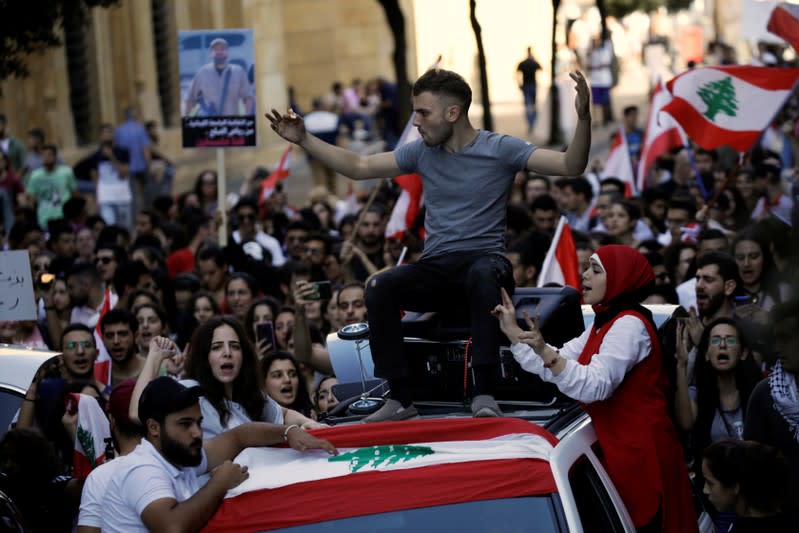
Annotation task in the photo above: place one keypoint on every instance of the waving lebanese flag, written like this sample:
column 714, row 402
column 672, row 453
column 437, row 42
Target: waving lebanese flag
column 784, row 22
column 410, row 200
column 661, row 134
column 92, row 430
column 561, row 265
column 729, row 105
column 102, row 364
column 386, row 467
column 280, row 173
column 619, row 165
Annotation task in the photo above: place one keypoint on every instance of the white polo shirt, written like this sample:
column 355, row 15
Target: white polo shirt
column 94, row 489
column 143, row 477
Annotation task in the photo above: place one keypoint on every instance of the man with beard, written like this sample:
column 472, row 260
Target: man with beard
column 158, row 486
column 716, row 281
column 366, row 253
column 118, row 327
column 467, row 176
column 86, row 294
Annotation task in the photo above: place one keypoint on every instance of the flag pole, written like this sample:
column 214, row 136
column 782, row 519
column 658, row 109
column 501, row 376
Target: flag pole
column 220, row 196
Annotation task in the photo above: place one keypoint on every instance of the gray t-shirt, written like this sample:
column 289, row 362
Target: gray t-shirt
column 466, row 193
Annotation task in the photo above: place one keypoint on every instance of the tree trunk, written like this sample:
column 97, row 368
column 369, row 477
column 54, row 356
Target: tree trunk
column 396, row 22
column 488, row 122
column 555, row 133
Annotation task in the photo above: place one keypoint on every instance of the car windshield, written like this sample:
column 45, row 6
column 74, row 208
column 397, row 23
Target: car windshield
column 503, row 515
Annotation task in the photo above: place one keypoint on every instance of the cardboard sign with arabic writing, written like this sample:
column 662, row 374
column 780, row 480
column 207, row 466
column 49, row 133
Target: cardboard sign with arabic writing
column 16, row 286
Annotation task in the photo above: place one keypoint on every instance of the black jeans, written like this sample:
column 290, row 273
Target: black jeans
column 470, row 280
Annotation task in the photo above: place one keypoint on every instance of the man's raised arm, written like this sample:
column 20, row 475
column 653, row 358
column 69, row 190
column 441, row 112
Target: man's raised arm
column 573, row 161
column 292, row 128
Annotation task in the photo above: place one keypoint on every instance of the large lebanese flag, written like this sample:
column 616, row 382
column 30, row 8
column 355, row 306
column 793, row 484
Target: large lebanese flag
column 661, row 134
column 92, row 430
column 561, row 265
column 729, row 105
column 388, row 467
column 410, row 200
column 280, row 173
column 619, row 165
column 784, row 21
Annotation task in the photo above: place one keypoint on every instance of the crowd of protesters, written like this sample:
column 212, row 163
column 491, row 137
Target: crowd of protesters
column 113, row 248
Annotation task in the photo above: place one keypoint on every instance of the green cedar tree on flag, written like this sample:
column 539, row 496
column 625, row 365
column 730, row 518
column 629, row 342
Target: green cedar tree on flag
column 729, row 105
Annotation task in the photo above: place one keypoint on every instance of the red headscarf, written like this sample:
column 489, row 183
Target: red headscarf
column 626, row 271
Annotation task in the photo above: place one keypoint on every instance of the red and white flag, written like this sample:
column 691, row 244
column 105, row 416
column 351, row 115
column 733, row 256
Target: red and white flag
column 409, row 461
column 784, row 22
column 102, row 364
column 729, row 105
column 91, row 431
column 619, row 165
column 280, row 173
column 662, row 134
column 561, row 265
column 410, row 200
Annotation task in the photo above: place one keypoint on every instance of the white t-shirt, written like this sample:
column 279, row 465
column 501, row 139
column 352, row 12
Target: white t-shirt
column 212, row 425
column 626, row 344
column 143, row 477
column 111, row 187
column 94, row 490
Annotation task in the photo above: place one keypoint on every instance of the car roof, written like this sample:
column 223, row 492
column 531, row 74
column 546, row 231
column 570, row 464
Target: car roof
column 19, row 365
column 390, row 485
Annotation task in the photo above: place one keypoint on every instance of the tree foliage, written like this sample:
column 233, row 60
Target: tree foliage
column 32, row 26
column 621, row 8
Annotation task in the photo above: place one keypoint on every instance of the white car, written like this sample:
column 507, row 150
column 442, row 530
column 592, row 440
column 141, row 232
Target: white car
column 18, row 366
column 580, row 498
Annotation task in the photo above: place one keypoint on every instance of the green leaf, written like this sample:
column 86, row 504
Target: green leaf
column 377, row 456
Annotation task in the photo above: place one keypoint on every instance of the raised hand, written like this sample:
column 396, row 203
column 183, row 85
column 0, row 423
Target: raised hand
column 506, row 314
column 582, row 102
column 681, row 353
column 695, row 326
column 289, row 126
column 533, row 338
column 230, row 474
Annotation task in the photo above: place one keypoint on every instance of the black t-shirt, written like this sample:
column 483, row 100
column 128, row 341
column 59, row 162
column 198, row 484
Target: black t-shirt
column 528, row 68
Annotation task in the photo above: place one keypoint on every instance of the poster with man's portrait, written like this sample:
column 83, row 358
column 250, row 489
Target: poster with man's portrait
column 217, row 88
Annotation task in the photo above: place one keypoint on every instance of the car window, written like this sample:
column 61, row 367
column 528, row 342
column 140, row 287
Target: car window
column 501, row 516
column 596, row 509
column 9, row 405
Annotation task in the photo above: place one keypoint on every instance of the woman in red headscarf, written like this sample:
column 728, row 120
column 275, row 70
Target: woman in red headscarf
column 614, row 369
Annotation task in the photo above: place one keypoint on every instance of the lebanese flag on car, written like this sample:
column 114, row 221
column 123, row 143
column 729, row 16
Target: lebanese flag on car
column 661, row 134
column 561, row 265
column 729, row 105
column 386, row 467
column 410, row 200
column 102, row 364
column 91, row 431
column 280, row 173
column 619, row 165
column 784, row 22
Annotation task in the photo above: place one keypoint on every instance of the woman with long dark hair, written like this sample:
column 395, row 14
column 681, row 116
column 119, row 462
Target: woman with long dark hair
column 615, row 370
column 221, row 360
column 756, row 268
column 284, row 383
column 714, row 408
